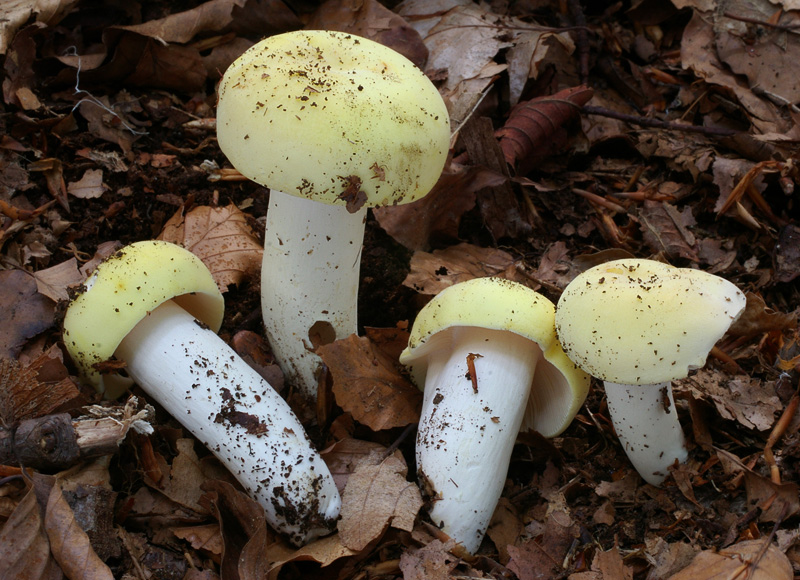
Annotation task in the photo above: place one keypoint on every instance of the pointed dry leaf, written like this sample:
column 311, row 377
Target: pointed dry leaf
column 753, row 559
column 24, row 547
column 185, row 477
column 69, row 543
column 221, row 237
column 89, row 186
column 54, row 281
column 324, row 551
column 367, row 384
column 665, row 229
column 432, row 273
column 344, row 457
column 758, row 318
column 26, row 312
column 377, row 496
column 431, row 562
column 206, row 538
column 751, row 402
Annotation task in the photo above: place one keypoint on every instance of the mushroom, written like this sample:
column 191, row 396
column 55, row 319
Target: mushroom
column 155, row 306
column 333, row 124
column 487, row 354
column 637, row 325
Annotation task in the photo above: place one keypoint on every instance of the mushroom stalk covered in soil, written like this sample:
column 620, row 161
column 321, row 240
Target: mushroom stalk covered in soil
column 638, row 325
column 487, row 354
column 333, row 124
column 155, row 306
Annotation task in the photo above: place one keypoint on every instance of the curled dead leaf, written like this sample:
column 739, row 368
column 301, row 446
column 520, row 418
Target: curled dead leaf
column 753, row 559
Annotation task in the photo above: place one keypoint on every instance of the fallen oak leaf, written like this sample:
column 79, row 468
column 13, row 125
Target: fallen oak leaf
column 377, row 496
column 220, row 237
column 746, row 559
column 368, row 385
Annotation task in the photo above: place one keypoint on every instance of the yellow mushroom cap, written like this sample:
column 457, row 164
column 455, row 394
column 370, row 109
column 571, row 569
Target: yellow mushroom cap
column 122, row 291
column 559, row 387
column 642, row 322
column 325, row 114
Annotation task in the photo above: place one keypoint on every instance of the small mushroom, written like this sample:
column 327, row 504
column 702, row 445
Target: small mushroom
column 637, row 325
column 155, row 307
column 333, row 124
column 487, row 354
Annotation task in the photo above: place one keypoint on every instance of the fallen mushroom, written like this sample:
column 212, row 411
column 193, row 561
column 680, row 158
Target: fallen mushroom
column 333, row 124
column 637, row 325
column 156, row 307
column 487, row 354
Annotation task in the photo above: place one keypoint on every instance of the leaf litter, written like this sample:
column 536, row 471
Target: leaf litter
column 680, row 147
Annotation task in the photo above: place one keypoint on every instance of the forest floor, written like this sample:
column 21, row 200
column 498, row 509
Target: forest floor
column 582, row 133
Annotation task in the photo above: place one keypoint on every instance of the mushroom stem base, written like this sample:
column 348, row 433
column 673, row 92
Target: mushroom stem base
column 475, row 397
column 309, row 281
column 646, row 422
column 234, row 412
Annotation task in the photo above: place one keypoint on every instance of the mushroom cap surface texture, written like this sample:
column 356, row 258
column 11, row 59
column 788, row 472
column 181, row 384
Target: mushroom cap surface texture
column 122, row 291
column 559, row 386
column 637, row 321
column 333, row 117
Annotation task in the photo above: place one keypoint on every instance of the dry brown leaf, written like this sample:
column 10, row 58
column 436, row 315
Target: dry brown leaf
column 758, row 318
column 751, row 402
column 505, row 528
column 665, row 229
column 367, row 384
column 432, row 273
column 324, row 551
column 69, row 544
column 24, row 547
column 205, row 537
column 542, row 558
column 39, row 388
column 371, row 19
column 221, row 237
column 377, row 496
column 89, row 186
column 609, row 564
column 435, row 218
column 343, row 457
column 787, row 254
column 185, row 477
column 54, row 281
column 777, row 501
column 742, row 560
column 431, row 562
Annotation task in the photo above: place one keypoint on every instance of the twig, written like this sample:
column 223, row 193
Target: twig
column 581, row 39
column 789, row 27
column 777, row 432
column 657, row 123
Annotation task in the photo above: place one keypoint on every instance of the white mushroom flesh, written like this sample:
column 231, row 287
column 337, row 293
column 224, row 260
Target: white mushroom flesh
column 232, row 410
column 646, row 422
column 476, row 389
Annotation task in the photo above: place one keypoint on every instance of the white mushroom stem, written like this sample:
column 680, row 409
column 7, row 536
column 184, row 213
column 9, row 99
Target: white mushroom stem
column 309, row 281
column 646, row 422
column 206, row 386
column 465, row 438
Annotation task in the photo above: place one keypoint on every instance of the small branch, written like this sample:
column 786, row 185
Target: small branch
column 55, row 442
column 657, row 123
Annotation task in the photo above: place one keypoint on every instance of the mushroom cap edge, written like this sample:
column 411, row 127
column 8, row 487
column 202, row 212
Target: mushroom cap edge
column 499, row 304
column 122, row 290
column 620, row 336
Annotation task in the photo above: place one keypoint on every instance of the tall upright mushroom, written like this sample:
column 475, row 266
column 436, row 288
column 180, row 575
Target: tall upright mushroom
column 487, row 354
column 333, row 124
column 156, row 307
column 637, row 325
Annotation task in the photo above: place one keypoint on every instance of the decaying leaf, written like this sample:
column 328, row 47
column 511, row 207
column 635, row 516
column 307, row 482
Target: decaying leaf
column 89, row 186
column 665, row 229
column 776, row 501
column 433, row 561
column 432, row 273
column 221, row 237
column 367, row 384
column 54, row 281
column 752, row 559
column 377, row 496
column 69, row 544
column 542, row 557
column 757, row 318
column 753, row 403
column 324, row 551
